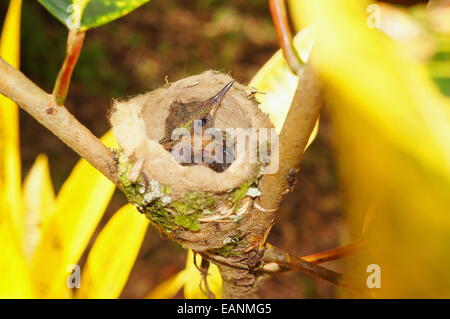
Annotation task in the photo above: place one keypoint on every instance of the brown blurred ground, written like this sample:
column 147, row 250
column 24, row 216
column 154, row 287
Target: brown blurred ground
column 135, row 54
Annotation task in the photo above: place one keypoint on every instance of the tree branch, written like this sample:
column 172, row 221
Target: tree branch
column 238, row 283
column 42, row 106
column 280, row 257
column 281, row 22
column 299, row 124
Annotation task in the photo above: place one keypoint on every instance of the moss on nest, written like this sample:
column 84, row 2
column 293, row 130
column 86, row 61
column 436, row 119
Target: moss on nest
column 231, row 245
column 155, row 203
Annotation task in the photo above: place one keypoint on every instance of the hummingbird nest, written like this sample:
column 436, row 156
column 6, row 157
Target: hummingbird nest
column 199, row 207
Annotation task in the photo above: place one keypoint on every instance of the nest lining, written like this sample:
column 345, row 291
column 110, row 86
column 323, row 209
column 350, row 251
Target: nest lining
column 138, row 125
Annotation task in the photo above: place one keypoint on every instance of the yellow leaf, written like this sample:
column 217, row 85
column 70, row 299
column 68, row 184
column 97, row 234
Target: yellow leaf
column 193, row 279
column 113, row 255
column 15, row 281
column 38, row 202
column 392, row 133
column 79, row 207
column 169, row 288
column 10, row 43
column 277, row 83
column 109, row 140
column 406, row 98
column 9, row 127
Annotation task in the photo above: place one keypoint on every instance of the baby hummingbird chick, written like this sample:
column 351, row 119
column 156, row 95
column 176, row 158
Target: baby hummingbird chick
column 184, row 115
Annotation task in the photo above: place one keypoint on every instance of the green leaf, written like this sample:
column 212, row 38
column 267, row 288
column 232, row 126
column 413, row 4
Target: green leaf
column 439, row 69
column 86, row 14
column 443, row 84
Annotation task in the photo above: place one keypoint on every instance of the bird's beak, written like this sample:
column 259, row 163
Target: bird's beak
column 218, row 98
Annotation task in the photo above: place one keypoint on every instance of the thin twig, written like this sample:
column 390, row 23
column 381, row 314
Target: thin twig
column 40, row 105
column 204, row 269
column 280, row 257
column 217, row 259
column 75, row 41
column 281, row 21
column 436, row 4
column 336, row 253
